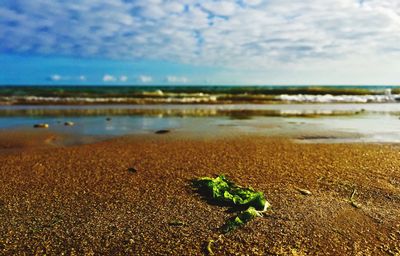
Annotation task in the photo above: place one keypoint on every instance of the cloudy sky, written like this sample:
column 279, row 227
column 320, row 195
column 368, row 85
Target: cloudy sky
column 243, row 42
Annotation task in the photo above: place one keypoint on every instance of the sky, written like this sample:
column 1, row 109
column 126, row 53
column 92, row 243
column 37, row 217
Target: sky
column 200, row 42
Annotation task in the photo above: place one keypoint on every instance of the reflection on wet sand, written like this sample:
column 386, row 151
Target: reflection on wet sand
column 304, row 122
column 161, row 112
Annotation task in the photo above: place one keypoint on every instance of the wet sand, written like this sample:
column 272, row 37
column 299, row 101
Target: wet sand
column 132, row 196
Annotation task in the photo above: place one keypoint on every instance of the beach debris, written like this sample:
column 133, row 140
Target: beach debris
column 162, row 131
column 209, row 249
column 352, row 200
column 355, row 204
column 41, row 125
column 304, row 191
column 210, row 243
column 222, row 191
column 69, row 123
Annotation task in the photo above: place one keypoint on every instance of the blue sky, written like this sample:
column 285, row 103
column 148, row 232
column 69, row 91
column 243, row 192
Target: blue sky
column 245, row 42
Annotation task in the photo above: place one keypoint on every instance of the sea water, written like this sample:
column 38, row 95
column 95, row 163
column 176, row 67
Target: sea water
column 331, row 123
column 196, row 94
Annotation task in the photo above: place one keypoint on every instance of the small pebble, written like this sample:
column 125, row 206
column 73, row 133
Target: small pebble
column 176, row 223
column 132, row 170
column 355, row 204
column 304, row 191
column 41, row 126
column 162, row 131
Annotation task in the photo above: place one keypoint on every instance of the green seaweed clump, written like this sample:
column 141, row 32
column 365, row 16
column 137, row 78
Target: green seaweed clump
column 222, row 191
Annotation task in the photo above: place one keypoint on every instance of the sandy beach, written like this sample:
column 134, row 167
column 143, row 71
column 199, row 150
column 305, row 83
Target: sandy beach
column 133, row 196
column 214, row 127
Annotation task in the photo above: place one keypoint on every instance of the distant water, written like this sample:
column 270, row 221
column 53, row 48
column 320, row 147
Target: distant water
column 306, row 113
column 19, row 95
column 362, row 122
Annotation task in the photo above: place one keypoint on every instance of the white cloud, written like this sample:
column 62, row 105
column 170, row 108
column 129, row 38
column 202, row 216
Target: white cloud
column 55, row 77
column 123, row 78
column 109, row 78
column 252, row 2
column 174, row 7
column 112, row 78
column 145, row 79
column 255, row 34
column 176, row 79
column 223, row 8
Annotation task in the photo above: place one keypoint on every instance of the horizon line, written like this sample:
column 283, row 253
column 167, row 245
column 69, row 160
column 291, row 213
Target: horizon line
column 200, row 85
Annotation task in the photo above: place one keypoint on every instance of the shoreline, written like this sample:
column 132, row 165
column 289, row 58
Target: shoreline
column 202, row 100
column 83, row 198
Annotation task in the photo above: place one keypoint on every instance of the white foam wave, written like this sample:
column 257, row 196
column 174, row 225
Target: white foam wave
column 328, row 98
column 39, row 99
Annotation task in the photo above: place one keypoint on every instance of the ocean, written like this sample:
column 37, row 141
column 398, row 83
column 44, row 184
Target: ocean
column 13, row 95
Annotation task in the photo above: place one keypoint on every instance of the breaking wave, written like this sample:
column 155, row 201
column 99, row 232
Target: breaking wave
column 195, row 95
column 339, row 98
